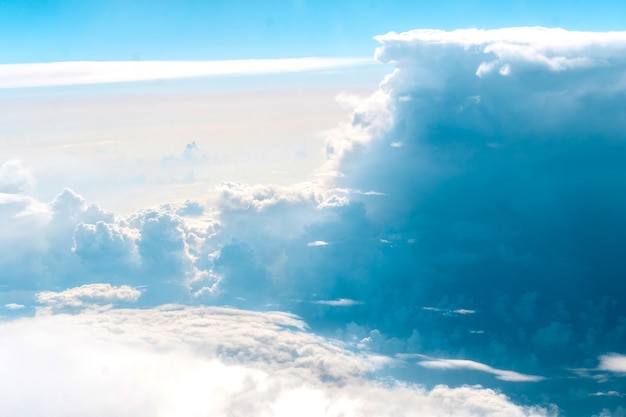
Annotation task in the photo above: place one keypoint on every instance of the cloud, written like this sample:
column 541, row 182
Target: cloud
column 447, row 312
column 504, row 375
column 606, row 394
column 97, row 72
column 502, row 211
column 15, row 178
column 341, row 302
column 554, row 49
column 613, row 362
column 14, row 306
column 174, row 360
column 317, row 243
column 618, row 412
column 87, row 296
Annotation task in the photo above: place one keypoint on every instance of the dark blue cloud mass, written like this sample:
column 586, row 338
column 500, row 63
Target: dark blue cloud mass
column 488, row 174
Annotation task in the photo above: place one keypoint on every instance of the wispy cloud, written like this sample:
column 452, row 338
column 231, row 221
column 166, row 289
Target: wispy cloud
column 317, row 243
column 14, row 306
column 99, row 72
column 459, row 364
column 341, row 302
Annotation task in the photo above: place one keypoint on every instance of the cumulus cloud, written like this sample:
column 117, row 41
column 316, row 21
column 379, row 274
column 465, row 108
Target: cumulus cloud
column 89, row 295
column 97, row 72
column 613, row 362
column 496, row 161
column 15, row 178
column 504, row 375
column 207, row 361
column 504, row 196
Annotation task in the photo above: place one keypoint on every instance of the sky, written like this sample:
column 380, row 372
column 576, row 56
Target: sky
column 313, row 208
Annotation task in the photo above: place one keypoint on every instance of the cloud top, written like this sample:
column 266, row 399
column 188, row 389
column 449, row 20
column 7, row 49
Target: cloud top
column 174, row 360
column 88, row 295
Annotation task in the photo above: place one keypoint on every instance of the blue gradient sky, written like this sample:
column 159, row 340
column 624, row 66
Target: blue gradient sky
column 45, row 31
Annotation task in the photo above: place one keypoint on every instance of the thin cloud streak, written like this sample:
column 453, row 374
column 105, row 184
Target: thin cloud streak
column 102, row 72
column 464, row 364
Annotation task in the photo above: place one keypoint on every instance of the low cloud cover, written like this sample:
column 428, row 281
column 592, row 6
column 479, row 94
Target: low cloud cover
column 174, row 360
column 473, row 208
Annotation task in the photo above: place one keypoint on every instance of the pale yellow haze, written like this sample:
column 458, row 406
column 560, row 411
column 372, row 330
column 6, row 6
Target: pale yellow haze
column 126, row 152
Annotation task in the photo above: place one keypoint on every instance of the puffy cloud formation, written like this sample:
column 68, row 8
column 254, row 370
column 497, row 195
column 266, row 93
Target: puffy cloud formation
column 89, row 295
column 207, row 361
column 485, row 176
column 472, row 209
column 68, row 243
column 613, row 362
column 15, row 178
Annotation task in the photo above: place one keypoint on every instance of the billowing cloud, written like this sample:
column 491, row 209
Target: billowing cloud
column 97, row 72
column 89, row 295
column 207, row 361
column 475, row 205
column 15, row 178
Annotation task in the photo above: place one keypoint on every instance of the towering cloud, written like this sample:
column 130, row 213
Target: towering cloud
column 473, row 210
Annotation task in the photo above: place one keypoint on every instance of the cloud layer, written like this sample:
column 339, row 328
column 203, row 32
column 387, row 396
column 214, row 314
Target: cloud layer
column 206, row 361
column 95, row 72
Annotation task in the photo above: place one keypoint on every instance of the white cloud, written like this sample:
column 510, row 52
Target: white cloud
column 14, row 306
column 340, row 302
column 606, row 394
column 96, row 72
column 448, row 312
column 15, row 178
column 618, row 412
column 456, row 364
column 207, row 361
column 464, row 311
column 87, row 296
column 317, row 243
column 613, row 362
column 552, row 48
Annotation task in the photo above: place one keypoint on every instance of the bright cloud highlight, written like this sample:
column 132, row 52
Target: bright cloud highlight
column 94, row 72
column 504, row 375
column 207, row 361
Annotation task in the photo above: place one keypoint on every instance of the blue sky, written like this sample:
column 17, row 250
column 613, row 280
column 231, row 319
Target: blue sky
column 280, row 208
column 44, row 31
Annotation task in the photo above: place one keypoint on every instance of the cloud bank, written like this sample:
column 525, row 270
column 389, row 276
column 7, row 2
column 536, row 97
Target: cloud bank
column 174, row 360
